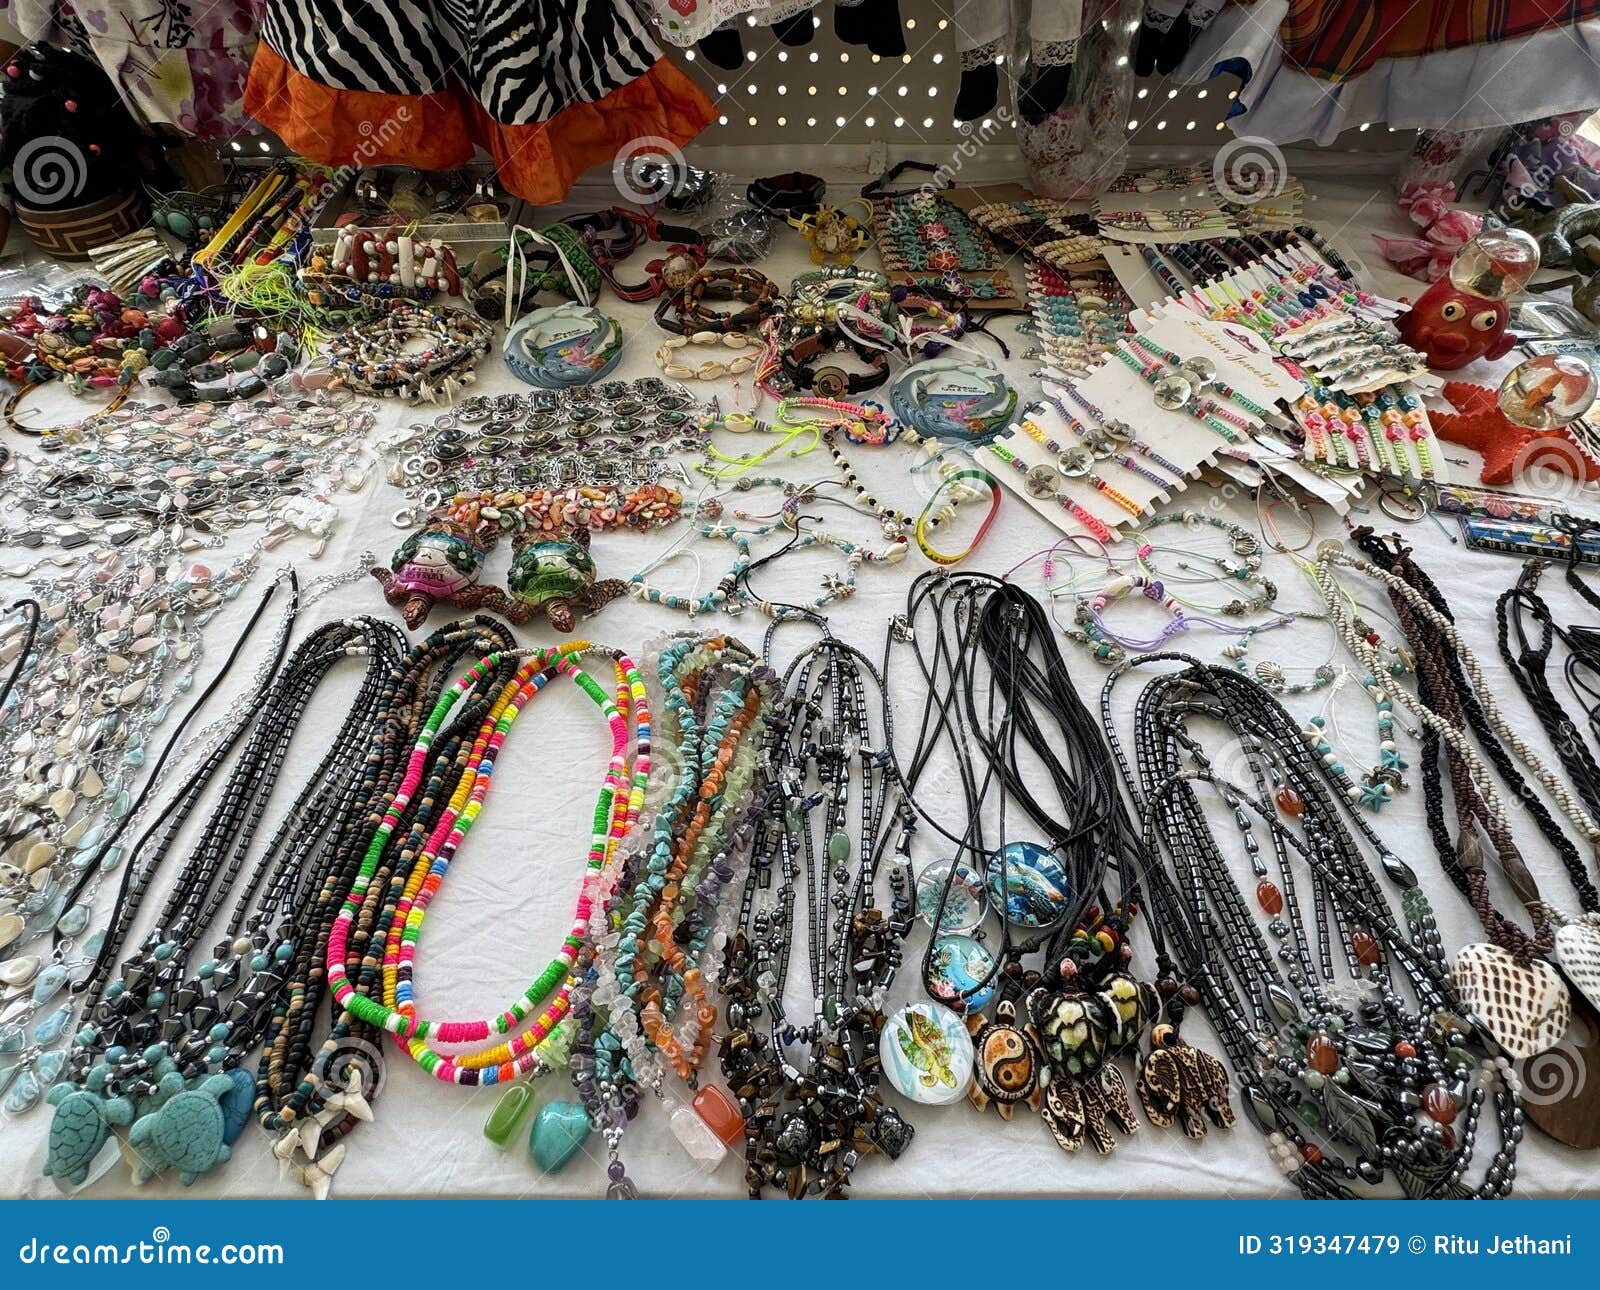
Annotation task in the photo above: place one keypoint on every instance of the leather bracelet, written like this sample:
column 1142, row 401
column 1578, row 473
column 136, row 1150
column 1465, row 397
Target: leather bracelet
column 758, row 292
column 15, row 401
column 879, row 188
column 607, row 243
column 831, row 381
column 787, row 195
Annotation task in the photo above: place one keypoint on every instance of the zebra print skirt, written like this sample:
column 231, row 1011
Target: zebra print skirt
column 524, row 60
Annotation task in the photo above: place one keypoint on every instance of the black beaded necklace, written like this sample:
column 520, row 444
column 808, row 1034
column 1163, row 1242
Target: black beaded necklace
column 809, row 1092
column 163, row 1045
column 312, row 1098
column 1353, row 1051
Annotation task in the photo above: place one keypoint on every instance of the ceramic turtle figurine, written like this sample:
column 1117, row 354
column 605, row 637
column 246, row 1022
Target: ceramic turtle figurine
column 555, row 573
column 82, row 1122
column 188, row 1131
column 441, row 563
column 1008, row 1062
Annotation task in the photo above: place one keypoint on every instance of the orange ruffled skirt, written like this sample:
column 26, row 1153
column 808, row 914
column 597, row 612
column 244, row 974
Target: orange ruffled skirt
column 436, row 131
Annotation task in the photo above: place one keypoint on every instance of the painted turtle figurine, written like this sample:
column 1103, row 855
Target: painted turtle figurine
column 441, row 562
column 555, row 573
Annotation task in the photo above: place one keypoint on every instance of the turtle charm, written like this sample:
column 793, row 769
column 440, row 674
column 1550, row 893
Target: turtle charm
column 81, row 1125
column 441, row 562
column 187, row 1132
column 555, row 573
column 1008, row 1065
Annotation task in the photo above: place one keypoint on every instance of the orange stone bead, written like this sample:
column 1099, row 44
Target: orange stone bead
column 1269, row 897
column 1311, row 1153
column 1321, row 1055
column 1439, row 1104
column 1404, row 1049
column 1290, row 802
column 720, row 1113
column 1365, row 948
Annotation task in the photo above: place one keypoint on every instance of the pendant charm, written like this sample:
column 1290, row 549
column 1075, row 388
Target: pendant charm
column 927, row 1054
column 1029, row 883
column 1578, row 952
column 1525, row 1008
column 187, row 1132
column 556, row 574
column 964, row 905
column 1560, row 1087
column 1178, row 1082
column 81, row 1125
column 961, row 972
column 1008, row 1065
column 439, row 564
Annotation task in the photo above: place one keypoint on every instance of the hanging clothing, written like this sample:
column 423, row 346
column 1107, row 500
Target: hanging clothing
column 177, row 63
column 1314, row 68
column 548, row 88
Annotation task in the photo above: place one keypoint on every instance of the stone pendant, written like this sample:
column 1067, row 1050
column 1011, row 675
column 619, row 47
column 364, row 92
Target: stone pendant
column 1526, row 1009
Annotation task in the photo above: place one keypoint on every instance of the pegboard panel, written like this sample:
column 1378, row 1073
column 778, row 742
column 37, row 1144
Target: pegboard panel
column 827, row 95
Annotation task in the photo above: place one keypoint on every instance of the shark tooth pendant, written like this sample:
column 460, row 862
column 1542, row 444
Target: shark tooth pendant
column 1525, row 1007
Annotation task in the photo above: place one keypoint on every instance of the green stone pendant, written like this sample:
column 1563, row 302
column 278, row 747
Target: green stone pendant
column 507, row 1115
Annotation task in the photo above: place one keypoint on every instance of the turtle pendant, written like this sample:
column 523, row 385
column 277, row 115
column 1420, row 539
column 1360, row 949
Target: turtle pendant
column 440, row 564
column 556, row 574
column 1008, row 1062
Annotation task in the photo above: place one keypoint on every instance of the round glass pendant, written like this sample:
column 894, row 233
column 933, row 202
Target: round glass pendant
column 964, row 906
column 958, row 964
column 1174, row 393
column 1029, row 883
column 927, row 1054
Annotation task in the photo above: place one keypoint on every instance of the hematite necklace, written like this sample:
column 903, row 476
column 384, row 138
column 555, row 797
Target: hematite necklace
column 1507, row 982
column 1081, row 1007
column 809, row 1093
column 313, row 1097
column 158, row 1038
column 1353, row 1049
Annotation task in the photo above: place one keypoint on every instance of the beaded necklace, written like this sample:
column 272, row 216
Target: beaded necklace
column 1520, row 997
column 1355, row 1055
column 810, row 1119
column 311, row 1097
column 616, row 808
column 667, row 921
column 162, row 1046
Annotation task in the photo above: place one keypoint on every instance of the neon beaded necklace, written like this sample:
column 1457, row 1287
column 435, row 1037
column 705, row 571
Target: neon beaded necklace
column 621, row 796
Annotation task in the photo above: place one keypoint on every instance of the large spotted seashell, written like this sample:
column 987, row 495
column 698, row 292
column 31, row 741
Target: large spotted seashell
column 1578, row 952
column 1526, row 1009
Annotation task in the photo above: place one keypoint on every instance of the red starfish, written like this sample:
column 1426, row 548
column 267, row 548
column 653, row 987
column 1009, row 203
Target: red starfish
column 1507, row 449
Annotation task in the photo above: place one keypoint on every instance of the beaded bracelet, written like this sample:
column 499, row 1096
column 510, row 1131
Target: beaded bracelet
column 1045, row 482
column 687, row 305
column 708, row 369
column 370, row 356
